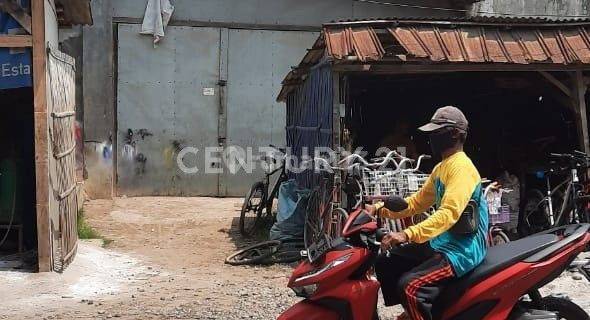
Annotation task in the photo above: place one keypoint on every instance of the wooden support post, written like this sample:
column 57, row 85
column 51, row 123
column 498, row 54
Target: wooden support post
column 10, row 41
column 581, row 89
column 41, row 136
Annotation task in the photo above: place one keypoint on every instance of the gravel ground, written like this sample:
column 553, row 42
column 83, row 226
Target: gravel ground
column 166, row 262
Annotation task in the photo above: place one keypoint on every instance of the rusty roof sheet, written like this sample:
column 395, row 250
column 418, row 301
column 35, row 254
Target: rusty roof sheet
column 440, row 42
column 363, row 42
column 298, row 73
column 479, row 44
column 465, row 44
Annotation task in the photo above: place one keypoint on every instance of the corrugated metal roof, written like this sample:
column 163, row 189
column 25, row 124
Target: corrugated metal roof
column 479, row 19
column 363, row 42
column 521, row 42
column 470, row 44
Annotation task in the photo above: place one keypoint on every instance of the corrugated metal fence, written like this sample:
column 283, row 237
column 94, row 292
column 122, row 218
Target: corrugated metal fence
column 309, row 118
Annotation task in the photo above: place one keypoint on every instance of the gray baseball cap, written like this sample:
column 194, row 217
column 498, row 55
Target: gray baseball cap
column 448, row 116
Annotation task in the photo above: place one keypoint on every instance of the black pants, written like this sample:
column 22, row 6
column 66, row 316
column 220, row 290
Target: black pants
column 413, row 275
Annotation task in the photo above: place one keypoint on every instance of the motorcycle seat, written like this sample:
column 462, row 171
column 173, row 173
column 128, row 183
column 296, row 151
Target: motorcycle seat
column 498, row 258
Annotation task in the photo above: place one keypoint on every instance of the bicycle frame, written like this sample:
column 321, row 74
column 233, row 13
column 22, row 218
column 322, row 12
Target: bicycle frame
column 570, row 198
column 275, row 188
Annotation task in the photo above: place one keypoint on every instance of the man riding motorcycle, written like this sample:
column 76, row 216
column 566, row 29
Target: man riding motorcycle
column 452, row 241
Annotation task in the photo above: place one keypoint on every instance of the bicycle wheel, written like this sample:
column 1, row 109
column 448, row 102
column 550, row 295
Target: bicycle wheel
column 252, row 209
column 260, row 253
column 313, row 226
column 317, row 217
column 536, row 210
column 289, row 251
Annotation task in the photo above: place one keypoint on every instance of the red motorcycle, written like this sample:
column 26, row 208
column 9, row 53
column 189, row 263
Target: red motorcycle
column 338, row 280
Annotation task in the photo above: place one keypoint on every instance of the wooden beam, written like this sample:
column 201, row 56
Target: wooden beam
column 405, row 68
column 10, row 41
column 581, row 89
column 566, row 102
column 556, row 83
column 44, row 249
column 18, row 13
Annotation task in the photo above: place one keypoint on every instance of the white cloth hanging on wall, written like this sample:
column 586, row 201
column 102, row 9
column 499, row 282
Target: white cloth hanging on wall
column 156, row 18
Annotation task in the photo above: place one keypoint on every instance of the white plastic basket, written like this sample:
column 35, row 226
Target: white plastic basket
column 391, row 182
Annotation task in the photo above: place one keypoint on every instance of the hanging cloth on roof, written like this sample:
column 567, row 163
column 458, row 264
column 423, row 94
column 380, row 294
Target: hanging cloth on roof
column 156, row 18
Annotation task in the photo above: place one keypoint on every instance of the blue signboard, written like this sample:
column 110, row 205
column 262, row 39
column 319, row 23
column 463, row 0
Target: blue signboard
column 15, row 63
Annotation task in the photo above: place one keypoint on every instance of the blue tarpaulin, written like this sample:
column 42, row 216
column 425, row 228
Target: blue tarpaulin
column 291, row 213
column 15, row 63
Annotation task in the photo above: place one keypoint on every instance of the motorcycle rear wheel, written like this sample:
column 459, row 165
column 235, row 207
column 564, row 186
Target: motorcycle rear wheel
column 565, row 308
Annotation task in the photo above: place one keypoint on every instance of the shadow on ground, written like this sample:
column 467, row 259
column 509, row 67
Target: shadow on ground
column 18, row 262
column 261, row 233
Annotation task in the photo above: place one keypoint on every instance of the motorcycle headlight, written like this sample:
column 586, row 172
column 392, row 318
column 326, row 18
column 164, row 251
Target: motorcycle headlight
column 306, row 291
column 331, row 265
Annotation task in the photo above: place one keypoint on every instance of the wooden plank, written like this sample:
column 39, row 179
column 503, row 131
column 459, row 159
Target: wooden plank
column 41, row 132
column 11, row 41
column 581, row 89
column 556, row 83
column 17, row 12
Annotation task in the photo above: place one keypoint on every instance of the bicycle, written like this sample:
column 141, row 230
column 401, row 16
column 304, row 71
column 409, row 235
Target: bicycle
column 259, row 200
column 368, row 182
column 539, row 210
column 326, row 197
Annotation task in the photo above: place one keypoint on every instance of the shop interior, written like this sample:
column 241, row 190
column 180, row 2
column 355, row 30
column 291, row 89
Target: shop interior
column 516, row 119
column 17, row 180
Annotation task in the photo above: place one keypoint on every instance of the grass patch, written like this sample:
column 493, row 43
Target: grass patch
column 106, row 242
column 85, row 231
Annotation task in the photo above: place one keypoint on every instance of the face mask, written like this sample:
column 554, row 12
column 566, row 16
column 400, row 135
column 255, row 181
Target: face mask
column 441, row 141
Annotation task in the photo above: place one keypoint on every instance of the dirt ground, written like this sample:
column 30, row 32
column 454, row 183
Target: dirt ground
column 166, row 261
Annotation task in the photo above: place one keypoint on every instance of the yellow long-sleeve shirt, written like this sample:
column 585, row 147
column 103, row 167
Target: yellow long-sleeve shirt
column 453, row 182
column 459, row 178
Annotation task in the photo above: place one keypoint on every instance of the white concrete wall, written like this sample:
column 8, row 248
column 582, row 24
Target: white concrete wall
column 532, row 7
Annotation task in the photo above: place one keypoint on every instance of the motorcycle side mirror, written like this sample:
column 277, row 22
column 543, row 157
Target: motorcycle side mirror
column 396, row 204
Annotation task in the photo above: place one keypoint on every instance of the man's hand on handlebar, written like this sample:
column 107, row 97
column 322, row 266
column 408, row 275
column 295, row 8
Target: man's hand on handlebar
column 392, row 239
